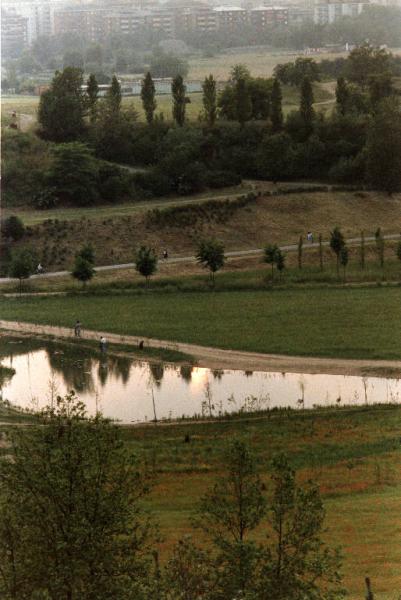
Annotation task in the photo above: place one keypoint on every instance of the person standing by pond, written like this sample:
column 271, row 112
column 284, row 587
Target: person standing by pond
column 103, row 344
column 77, row 328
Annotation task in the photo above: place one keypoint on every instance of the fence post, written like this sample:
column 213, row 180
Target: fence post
column 369, row 593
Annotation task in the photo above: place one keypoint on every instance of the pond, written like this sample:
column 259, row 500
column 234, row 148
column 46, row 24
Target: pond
column 132, row 391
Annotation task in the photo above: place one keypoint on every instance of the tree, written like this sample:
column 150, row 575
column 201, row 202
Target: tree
column 74, row 174
column 243, row 102
column 297, row 562
column 72, row 485
column 238, row 72
column 178, row 90
column 276, row 111
column 344, row 256
column 362, row 249
column 276, row 157
column 280, row 262
column 306, row 105
column 113, row 98
column 365, row 62
column 300, row 251
column 148, row 97
column 320, row 252
column 380, row 87
column 210, row 255
column 337, row 243
column 270, row 256
column 398, row 250
column 92, row 91
column 209, row 100
column 62, row 108
column 87, row 253
column 146, row 262
column 228, row 512
column 13, row 228
column 83, row 270
column 383, row 148
column 168, row 65
column 342, row 96
column 22, row 266
column 379, row 239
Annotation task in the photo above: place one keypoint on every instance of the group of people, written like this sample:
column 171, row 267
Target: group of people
column 78, row 330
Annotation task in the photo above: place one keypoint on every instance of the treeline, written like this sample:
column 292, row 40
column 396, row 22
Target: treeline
column 75, row 522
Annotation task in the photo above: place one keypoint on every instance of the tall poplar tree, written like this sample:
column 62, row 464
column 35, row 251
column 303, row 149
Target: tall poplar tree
column 209, row 99
column 276, row 111
column 306, row 105
column 148, row 93
column 178, row 90
column 243, row 102
column 92, row 91
column 342, row 96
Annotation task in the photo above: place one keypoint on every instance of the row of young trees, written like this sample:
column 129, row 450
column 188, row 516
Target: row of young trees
column 74, row 524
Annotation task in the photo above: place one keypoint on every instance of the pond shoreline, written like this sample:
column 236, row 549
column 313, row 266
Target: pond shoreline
column 217, row 358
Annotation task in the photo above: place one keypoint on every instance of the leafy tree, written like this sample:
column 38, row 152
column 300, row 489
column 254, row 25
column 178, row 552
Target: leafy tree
column 148, row 97
column 380, row 87
column 62, row 108
column 238, row 72
column 280, row 262
column 228, row 512
column 379, row 239
column 13, row 228
column 300, row 251
column 83, row 270
column 306, row 105
column 113, row 97
column 294, row 73
column 383, row 148
column 337, row 243
column 270, row 256
column 298, row 564
column 243, row 102
column 87, row 253
column 344, row 257
column 342, row 96
column 276, row 113
column 275, row 157
column 365, row 62
column 146, row 262
column 92, row 91
column 362, row 249
column 189, row 572
column 178, row 90
column 168, row 65
column 22, row 265
column 74, row 174
column 72, row 485
column 209, row 100
column 210, row 255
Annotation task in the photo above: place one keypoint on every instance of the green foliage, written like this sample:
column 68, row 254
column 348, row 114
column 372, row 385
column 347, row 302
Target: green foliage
column 87, row 253
column 306, row 106
column 22, row 265
column 275, row 157
column 344, row 257
column 209, row 100
column 12, row 227
column 276, row 115
column 74, row 174
column 337, row 243
column 71, row 485
column 178, row 90
column 146, row 262
column 379, row 239
column 83, row 270
column 273, row 256
column 342, row 96
column 366, row 61
column 112, row 100
column 210, row 254
column 384, row 148
column 168, row 65
column 148, row 97
column 295, row 73
column 62, row 108
column 92, row 91
column 243, row 103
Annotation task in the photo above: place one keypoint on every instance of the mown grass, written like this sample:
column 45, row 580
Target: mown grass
column 354, row 454
column 330, row 322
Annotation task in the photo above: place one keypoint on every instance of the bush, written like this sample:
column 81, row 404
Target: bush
column 13, row 228
column 153, row 183
column 45, row 199
column 219, row 179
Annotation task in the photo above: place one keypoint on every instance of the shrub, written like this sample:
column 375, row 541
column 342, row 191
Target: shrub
column 13, row 228
column 219, row 179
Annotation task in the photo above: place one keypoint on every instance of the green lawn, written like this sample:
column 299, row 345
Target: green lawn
column 353, row 454
column 336, row 322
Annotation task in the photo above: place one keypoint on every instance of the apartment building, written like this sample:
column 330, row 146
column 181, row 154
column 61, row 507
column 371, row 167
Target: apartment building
column 268, row 16
column 14, row 32
column 39, row 15
column 230, row 18
column 329, row 12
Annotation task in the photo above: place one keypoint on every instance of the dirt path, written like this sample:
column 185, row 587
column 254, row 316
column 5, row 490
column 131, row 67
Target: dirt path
column 216, row 358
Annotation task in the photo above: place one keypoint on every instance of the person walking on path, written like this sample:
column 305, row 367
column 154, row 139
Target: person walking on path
column 103, row 344
column 77, row 328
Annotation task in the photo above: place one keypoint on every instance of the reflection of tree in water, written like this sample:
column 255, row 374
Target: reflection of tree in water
column 217, row 374
column 75, row 367
column 157, row 372
column 248, row 373
column 116, row 366
column 186, row 372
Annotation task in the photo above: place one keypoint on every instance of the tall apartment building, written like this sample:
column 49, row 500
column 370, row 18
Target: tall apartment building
column 267, row 16
column 39, row 15
column 230, row 18
column 88, row 21
column 14, row 32
column 329, row 12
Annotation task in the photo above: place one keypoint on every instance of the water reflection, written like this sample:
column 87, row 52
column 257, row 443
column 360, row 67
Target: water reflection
column 130, row 390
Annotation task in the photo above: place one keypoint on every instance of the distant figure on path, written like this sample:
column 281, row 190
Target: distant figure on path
column 77, row 328
column 165, row 254
column 141, row 345
column 39, row 269
column 309, row 237
column 103, row 344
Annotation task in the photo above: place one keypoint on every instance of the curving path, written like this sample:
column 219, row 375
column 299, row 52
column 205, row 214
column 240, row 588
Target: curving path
column 217, row 358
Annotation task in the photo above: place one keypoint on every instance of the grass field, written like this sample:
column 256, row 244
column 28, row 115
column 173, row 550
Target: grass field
column 353, row 454
column 330, row 322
